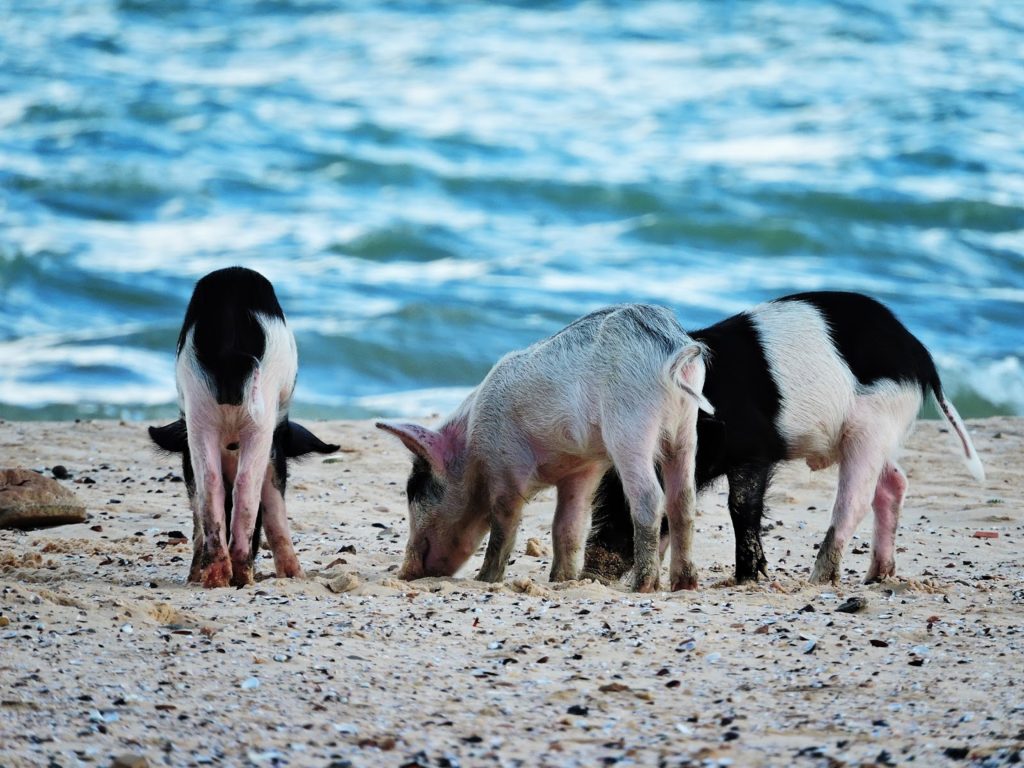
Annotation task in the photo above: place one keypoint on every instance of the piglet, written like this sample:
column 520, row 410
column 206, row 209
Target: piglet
column 619, row 387
column 826, row 377
column 235, row 372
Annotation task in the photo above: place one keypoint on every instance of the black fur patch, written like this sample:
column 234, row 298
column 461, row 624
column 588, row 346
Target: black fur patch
column 228, row 338
column 740, row 386
column 422, row 484
column 872, row 341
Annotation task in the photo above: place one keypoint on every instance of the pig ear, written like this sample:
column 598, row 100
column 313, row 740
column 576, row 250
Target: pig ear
column 425, row 443
column 171, row 437
column 685, row 368
column 298, row 441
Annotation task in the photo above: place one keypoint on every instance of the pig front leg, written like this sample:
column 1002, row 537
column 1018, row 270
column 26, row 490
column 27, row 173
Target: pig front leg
column 254, row 453
column 213, row 568
column 747, row 487
column 275, row 523
column 197, row 520
column 572, row 520
column 506, row 514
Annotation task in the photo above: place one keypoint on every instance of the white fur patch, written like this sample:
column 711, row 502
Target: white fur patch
column 816, row 387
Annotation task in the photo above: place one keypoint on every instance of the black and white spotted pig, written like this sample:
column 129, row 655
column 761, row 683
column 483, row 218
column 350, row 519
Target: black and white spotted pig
column 235, row 372
column 826, row 377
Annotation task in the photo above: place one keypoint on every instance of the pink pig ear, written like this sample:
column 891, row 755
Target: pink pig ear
column 425, row 443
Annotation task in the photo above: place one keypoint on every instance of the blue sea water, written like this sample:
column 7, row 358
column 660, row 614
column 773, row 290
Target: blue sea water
column 430, row 185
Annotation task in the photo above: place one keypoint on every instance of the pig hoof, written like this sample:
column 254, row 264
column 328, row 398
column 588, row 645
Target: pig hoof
column 877, row 573
column 685, row 578
column 289, row 570
column 645, row 584
column 242, row 575
column 216, row 574
column 490, row 575
column 562, row 574
column 825, row 575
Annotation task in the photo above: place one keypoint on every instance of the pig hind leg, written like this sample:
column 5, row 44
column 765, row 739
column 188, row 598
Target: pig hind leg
column 253, row 457
column 572, row 521
column 275, row 519
column 680, row 509
column 887, row 505
column 632, row 452
column 214, row 566
column 862, row 458
column 747, row 487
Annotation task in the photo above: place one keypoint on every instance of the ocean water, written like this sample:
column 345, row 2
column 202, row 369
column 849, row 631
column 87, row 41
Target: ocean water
column 430, row 185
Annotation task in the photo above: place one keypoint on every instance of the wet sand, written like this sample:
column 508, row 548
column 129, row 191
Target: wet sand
column 106, row 652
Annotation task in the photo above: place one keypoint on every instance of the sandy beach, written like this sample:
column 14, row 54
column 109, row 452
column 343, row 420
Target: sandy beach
column 108, row 656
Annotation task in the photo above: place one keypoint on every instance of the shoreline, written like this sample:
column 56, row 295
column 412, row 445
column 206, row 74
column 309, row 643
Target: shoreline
column 107, row 652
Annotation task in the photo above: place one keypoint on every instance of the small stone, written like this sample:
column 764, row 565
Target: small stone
column 60, row 472
column 853, row 605
column 249, row 683
column 578, row 709
column 986, row 534
column 344, row 583
column 129, row 761
column 534, row 548
column 29, row 500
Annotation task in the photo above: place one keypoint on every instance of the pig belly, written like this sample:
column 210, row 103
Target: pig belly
column 557, row 469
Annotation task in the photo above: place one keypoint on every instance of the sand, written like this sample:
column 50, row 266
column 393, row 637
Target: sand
column 106, row 653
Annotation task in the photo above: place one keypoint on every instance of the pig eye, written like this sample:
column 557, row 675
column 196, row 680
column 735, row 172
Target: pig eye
column 422, row 485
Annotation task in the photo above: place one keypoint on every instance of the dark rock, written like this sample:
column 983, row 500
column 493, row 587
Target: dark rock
column 853, row 605
column 61, row 472
column 29, row 500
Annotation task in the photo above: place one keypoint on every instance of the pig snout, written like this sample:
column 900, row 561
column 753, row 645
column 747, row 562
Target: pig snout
column 423, row 560
column 426, row 556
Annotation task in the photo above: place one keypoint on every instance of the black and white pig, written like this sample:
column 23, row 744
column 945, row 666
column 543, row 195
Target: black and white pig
column 619, row 387
column 827, row 377
column 235, row 372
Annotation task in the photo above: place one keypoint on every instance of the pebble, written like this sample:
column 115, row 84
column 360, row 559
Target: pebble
column 853, row 605
column 249, row 683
